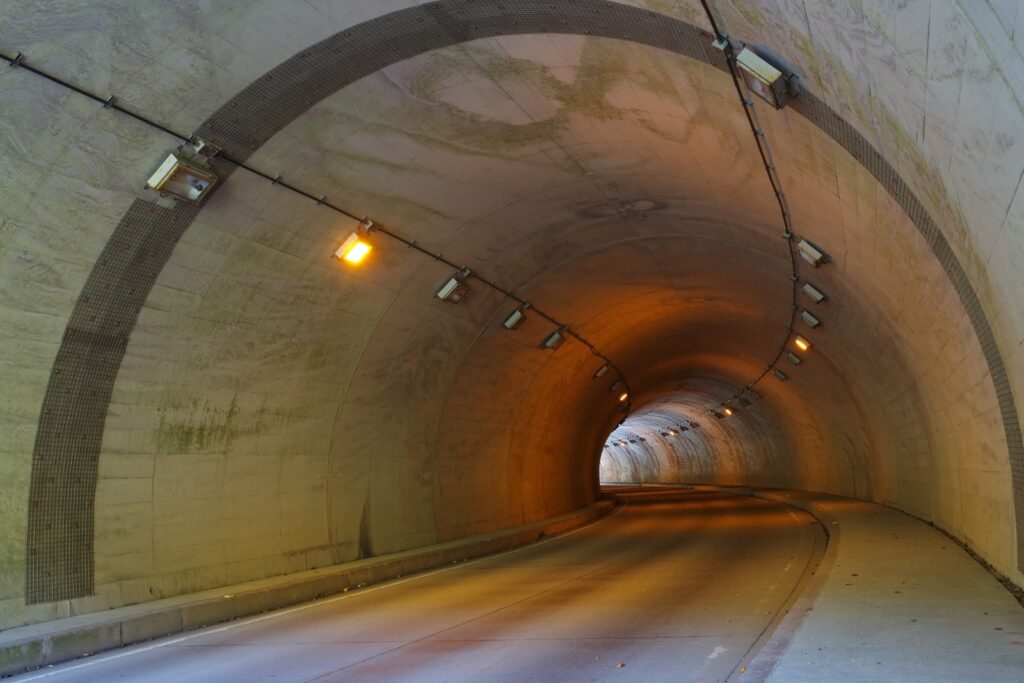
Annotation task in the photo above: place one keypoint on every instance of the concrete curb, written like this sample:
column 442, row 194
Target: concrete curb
column 30, row 647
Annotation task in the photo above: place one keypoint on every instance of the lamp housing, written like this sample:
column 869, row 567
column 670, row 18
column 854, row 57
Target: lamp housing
column 813, row 293
column 515, row 319
column 762, row 78
column 357, row 245
column 554, row 340
column 187, row 178
column 811, row 253
column 455, row 288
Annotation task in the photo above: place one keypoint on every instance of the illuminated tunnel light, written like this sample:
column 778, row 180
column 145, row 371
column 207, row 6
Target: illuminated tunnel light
column 623, row 396
column 801, row 343
column 354, row 249
column 727, row 410
column 356, row 246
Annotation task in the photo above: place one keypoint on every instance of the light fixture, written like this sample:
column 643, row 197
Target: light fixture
column 185, row 173
column 516, row 318
column 673, row 432
column 743, row 402
column 801, row 343
column 793, row 358
column 554, row 340
column 455, row 288
column 810, row 253
column 813, row 293
column 810, row 318
column 616, row 385
column 693, row 424
column 780, row 375
column 763, row 79
column 727, row 410
column 600, row 372
column 357, row 245
column 623, row 397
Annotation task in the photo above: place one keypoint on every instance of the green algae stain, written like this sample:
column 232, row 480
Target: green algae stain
column 201, row 427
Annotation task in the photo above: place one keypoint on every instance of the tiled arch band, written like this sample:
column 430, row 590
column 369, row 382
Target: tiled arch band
column 60, row 559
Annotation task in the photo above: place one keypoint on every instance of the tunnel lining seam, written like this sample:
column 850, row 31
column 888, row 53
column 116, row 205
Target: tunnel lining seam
column 60, row 557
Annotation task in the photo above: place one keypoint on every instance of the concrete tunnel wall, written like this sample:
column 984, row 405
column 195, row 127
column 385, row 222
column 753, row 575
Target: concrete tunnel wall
column 274, row 411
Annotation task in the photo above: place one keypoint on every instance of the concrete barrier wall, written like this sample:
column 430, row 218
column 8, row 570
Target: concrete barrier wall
column 31, row 647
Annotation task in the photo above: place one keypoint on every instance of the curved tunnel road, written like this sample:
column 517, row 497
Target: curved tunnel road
column 672, row 586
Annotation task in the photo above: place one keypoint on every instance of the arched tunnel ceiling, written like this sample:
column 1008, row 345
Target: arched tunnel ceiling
column 612, row 183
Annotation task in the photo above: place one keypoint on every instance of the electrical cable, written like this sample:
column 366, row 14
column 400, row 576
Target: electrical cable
column 767, row 160
column 112, row 103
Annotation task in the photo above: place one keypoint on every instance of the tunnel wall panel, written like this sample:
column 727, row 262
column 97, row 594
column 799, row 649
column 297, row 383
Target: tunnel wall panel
column 263, row 109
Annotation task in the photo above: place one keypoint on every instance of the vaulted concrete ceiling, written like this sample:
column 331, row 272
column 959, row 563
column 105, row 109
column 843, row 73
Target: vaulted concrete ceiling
column 271, row 410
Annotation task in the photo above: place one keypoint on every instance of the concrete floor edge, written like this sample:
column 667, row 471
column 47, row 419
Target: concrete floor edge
column 34, row 646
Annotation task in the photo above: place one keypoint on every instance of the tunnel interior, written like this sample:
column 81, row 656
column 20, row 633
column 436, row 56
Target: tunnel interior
column 270, row 409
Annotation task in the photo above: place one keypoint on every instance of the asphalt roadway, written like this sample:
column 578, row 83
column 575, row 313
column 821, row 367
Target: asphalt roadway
column 674, row 585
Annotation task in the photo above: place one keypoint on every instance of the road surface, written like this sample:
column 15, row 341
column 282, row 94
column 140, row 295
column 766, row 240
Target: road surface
column 674, row 585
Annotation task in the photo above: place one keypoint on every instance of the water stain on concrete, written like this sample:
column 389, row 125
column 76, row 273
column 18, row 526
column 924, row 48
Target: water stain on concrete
column 202, row 427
